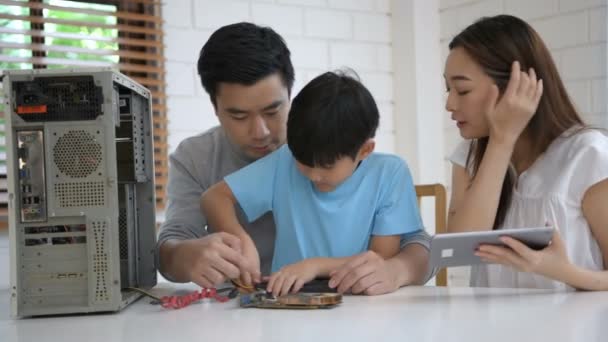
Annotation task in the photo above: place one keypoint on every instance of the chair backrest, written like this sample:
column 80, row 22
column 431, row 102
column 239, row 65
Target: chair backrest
column 437, row 191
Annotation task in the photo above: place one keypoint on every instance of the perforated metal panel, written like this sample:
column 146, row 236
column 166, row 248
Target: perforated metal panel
column 100, row 262
column 70, row 98
column 80, row 194
column 77, row 153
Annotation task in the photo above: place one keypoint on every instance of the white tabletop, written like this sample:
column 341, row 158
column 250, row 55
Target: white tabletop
column 410, row 314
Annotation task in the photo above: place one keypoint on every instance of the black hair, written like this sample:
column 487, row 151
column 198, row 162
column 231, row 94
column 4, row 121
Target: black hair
column 331, row 117
column 243, row 53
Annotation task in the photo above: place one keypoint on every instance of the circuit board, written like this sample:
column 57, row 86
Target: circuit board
column 264, row 300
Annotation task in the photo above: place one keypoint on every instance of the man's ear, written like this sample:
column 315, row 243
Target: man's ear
column 368, row 147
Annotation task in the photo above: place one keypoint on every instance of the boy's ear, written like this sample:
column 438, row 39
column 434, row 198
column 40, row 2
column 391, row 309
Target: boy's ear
column 367, row 148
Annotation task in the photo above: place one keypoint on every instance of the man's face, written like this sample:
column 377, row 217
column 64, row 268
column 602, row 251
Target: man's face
column 254, row 117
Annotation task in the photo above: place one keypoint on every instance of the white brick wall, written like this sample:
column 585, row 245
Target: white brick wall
column 372, row 27
column 361, row 5
column 211, row 14
column 181, row 81
column 321, row 34
column 527, row 9
column 572, row 5
column 583, row 62
column 288, row 20
column 321, row 23
column 302, row 57
column 599, row 94
column 565, row 30
column 184, row 44
column 179, row 14
column 597, row 25
column 580, row 92
column 574, row 30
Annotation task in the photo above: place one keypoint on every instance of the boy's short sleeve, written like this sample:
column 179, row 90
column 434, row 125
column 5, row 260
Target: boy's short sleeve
column 398, row 208
column 253, row 186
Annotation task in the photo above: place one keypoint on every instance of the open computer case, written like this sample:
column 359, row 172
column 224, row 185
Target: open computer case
column 81, row 190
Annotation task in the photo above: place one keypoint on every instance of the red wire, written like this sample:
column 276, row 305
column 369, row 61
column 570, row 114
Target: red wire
column 178, row 302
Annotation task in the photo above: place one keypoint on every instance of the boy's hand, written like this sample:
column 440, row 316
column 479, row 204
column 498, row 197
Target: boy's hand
column 292, row 277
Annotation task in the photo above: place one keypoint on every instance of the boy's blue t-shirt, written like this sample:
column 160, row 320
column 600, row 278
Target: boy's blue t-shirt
column 377, row 199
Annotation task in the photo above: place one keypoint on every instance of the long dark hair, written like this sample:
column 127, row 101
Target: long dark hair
column 495, row 43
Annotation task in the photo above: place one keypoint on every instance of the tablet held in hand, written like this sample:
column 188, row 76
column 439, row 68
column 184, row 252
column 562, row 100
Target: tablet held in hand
column 458, row 249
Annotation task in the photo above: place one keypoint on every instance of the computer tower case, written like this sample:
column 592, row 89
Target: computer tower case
column 81, row 190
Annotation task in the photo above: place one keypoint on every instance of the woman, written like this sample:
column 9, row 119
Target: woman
column 529, row 159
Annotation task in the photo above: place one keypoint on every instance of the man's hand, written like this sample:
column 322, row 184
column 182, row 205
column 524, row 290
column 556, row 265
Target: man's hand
column 251, row 272
column 292, row 277
column 208, row 261
column 366, row 273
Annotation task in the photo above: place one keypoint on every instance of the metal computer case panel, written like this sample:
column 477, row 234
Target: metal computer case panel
column 81, row 190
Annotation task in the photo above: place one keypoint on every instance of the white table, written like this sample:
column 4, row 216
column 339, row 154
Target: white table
column 410, row 314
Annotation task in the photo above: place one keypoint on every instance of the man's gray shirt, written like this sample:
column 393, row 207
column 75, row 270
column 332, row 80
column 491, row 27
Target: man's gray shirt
column 198, row 163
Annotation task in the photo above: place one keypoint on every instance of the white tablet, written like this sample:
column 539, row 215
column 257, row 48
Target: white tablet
column 458, row 249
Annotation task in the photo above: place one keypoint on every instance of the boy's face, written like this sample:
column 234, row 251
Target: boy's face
column 327, row 179
column 254, row 117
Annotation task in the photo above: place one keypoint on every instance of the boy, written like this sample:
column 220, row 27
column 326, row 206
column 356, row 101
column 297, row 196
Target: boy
column 331, row 197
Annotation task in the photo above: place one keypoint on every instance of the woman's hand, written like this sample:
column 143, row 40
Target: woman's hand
column 292, row 277
column 509, row 116
column 549, row 262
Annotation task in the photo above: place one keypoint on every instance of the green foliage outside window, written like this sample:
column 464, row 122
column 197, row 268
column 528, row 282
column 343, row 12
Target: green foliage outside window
column 90, row 44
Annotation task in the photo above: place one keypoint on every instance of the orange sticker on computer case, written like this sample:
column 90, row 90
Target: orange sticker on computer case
column 37, row 109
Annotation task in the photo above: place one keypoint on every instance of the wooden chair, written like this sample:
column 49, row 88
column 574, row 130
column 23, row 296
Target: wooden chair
column 437, row 191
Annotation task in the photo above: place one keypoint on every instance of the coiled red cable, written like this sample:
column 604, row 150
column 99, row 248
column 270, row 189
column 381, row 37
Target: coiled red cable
column 181, row 301
column 178, row 302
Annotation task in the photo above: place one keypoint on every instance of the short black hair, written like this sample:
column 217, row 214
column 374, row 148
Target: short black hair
column 243, row 53
column 331, row 117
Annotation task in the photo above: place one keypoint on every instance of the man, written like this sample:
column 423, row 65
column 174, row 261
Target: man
column 247, row 72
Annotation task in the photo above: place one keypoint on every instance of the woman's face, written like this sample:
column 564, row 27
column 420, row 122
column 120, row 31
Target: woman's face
column 468, row 89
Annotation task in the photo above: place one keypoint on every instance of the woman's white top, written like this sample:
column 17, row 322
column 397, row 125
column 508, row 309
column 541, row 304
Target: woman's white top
column 551, row 191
